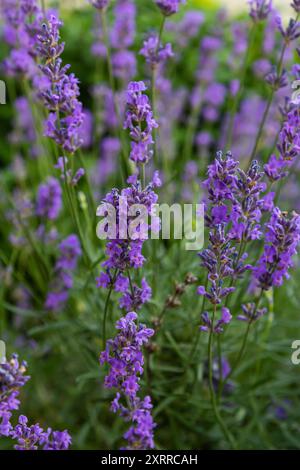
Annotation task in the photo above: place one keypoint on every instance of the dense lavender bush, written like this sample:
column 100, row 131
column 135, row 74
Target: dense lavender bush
column 149, row 104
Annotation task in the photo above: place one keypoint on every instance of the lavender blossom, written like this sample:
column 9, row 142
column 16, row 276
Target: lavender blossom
column 260, row 9
column 218, row 326
column 296, row 5
column 140, row 121
column 281, row 242
column 49, row 199
column 291, row 32
column 124, row 356
column 155, row 53
column 169, row 7
column 251, row 313
column 99, row 4
column 70, row 251
column 12, row 378
column 61, row 98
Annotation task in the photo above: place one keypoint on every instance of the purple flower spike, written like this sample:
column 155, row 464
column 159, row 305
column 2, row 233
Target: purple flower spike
column 225, row 319
column 260, row 9
column 49, row 199
column 169, row 7
column 99, row 4
column 124, row 356
column 140, row 121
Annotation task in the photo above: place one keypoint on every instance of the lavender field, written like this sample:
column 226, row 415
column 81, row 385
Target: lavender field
column 150, row 191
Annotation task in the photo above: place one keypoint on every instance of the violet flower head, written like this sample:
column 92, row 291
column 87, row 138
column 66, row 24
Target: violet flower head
column 49, row 199
column 281, row 242
column 35, row 438
column 124, row 356
column 296, row 5
column 61, row 96
column 123, row 30
column 251, row 313
column 155, row 53
column 169, row 7
column 140, row 122
column 291, row 32
column 217, row 327
column 275, row 80
column 58, row 294
column 99, row 4
column 260, row 9
column 12, row 378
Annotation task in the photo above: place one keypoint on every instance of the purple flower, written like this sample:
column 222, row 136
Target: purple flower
column 154, row 52
column 140, row 121
column 275, row 167
column 251, row 313
column 123, row 30
column 12, row 378
column 124, row 356
column 296, row 5
column 217, row 327
column 124, row 65
column 70, row 251
column 49, row 199
column 99, row 4
column 291, row 32
column 281, row 242
column 61, row 98
column 260, row 9
column 169, row 7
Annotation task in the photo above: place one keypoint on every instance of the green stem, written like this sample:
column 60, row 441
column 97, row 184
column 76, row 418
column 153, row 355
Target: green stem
column 106, row 309
column 214, row 403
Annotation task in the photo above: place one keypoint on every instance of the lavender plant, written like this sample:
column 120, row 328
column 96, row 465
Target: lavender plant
column 166, row 105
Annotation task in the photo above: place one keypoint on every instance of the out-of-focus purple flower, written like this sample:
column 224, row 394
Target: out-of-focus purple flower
column 154, row 52
column 291, row 32
column 188, row 27
column 296, row 5
column 124, row 65
column 70, row 251
column 49, row 199
column 99, row 4
column 123, row 29
column 215, row 94
column 275, row 168
column 169, row 7
column 217, row 327
column 85, row 132
column 251, row 313
column 260, row 9
column 277, row 81
column 124, row 356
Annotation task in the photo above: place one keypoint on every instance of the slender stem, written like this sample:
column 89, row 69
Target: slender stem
column 106, row 308
column 243, row 346
column 214, row 403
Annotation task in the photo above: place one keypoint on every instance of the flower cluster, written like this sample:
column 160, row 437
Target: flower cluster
column 61, row 96
column 169, row 7
column 124, row 356
column 125, row 251
column 35, row 438
column 154, row 52
column 121, row 38
column 281, row 241
column 49, row 199
column 70, row 251
column 260, row 9
column 140, row 121
column 12, row 378
column 99, row 4
column 251, row 313
column 218, row 326
column 20, row 22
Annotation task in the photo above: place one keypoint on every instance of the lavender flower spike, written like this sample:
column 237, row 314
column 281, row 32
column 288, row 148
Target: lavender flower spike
column 140, row 121
column 260, row 9
column 169, row 7
column 124, row 356
column 99, row 4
